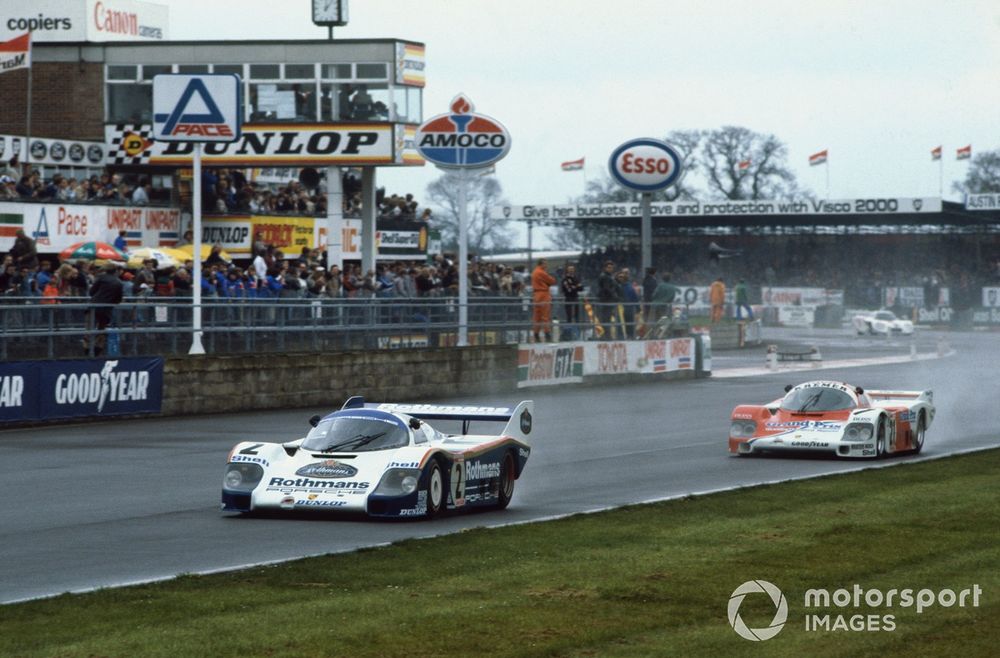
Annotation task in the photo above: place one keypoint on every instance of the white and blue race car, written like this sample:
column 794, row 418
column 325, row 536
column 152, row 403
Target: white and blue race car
column 384, row 460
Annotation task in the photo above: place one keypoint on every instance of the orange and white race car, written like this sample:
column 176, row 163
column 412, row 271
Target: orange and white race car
column 834, row 418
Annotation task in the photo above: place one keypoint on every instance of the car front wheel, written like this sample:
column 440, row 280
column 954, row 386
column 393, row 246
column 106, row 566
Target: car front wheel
column 880, row 440
column 435, row 490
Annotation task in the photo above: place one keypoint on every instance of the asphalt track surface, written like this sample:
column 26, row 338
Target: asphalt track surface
column 118, row 502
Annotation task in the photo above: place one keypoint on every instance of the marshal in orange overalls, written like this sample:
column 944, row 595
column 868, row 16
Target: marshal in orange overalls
column 542, row 301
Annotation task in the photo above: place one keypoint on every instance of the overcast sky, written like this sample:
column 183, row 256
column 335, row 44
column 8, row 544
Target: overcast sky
column 877, row 83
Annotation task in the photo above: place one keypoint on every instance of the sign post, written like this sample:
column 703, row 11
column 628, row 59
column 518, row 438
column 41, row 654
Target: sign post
column 197, row 108
column 462, row 140
column 645, row 165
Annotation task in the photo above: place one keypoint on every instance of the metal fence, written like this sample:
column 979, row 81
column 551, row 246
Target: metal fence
column 34, row 328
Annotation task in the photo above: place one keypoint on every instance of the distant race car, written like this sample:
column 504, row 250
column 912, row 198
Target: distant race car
column 881, row 322
column 835, row 418
column 383, row 460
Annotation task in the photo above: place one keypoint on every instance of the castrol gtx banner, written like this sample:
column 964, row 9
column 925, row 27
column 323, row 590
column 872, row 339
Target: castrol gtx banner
column 545, row 365
column 46, row 390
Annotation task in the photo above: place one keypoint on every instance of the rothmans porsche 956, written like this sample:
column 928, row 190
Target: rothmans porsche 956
column 383, row 460
column 834, row 418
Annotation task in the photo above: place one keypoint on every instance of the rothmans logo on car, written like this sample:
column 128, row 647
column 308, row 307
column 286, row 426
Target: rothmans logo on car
column 327, row 469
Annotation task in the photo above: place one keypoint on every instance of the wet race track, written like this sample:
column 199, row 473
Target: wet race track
column 108, row 503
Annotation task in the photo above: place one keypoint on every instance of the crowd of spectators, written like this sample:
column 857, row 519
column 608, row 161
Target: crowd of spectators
column 862, row 266
column 223, row 191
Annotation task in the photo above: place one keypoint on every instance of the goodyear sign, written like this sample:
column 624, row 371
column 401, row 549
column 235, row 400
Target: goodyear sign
column 462, row 139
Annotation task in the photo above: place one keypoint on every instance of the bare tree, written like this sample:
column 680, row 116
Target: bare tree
column 983, row 176
column 739, row 163
column 485, row 234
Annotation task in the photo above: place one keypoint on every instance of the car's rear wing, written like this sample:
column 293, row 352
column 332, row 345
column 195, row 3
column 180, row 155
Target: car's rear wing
column 904, row 397
column 518, row 418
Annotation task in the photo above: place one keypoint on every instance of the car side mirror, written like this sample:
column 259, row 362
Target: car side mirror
column 772, row 410
column 414, row 423
column 788, row 387
column 314, row 421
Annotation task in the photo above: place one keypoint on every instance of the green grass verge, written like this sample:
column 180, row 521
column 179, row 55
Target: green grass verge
column 649, row 580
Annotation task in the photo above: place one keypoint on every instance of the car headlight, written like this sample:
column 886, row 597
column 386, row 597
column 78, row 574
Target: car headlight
column 741, row 428
column 242, row 477
column 858, row 432
column 398, row 482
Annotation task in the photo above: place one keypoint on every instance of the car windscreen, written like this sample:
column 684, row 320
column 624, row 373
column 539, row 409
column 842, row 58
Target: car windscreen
column 356, row 433
column 817, row 399
column 885, row 315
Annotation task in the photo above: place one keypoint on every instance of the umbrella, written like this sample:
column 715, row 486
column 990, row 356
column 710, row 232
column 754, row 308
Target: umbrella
column 92, row 251
column 205, row 251
column 165, row 257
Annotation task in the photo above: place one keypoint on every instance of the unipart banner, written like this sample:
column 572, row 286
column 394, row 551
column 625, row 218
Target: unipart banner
column 85, row 20
column 56, row 226
column 44, row 390
column 546, row 365
column 260, row 145
column 876, row 206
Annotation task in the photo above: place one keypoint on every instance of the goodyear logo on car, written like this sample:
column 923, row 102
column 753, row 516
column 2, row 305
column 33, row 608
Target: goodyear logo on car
column 462, row 138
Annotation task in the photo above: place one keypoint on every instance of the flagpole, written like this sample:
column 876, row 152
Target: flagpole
column 27, row 139
column 941, row 176
column 584, row 170
column 827, row 163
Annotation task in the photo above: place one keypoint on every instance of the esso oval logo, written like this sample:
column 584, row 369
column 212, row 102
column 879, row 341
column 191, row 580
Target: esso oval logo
column 645, row 164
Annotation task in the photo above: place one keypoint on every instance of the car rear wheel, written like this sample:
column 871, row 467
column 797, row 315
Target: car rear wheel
column 435, row 490
column 506, row 490
column 918, row 434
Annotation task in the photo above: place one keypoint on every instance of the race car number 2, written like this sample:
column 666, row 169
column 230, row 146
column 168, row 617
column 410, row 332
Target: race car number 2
column 458, row 481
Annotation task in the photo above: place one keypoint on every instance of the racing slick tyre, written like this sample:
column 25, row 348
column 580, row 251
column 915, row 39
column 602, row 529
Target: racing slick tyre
column 880, row 439
column 435, row 489
column 918, row 434
column 506, row 487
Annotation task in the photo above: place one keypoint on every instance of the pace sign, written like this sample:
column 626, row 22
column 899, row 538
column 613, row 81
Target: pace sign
column 196, row 108
column 462, row 139
column 645, row 164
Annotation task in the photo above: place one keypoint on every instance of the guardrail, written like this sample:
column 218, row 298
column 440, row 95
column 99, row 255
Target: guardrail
column 47, row 328
column 156, row 325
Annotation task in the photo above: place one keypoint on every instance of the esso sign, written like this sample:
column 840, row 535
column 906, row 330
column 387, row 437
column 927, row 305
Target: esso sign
column 645, row 165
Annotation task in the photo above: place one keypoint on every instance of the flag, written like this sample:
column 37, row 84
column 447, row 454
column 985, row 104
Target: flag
column 964, row 153
column 817, row 158
column 573, row 165
column 16, row 53
column 936, row 153
column 744, row 164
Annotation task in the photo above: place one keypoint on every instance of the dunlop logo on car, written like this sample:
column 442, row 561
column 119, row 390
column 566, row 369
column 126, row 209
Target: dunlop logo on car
column 327, row 469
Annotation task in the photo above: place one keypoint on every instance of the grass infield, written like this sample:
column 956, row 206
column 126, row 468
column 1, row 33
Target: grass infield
column 647, row 580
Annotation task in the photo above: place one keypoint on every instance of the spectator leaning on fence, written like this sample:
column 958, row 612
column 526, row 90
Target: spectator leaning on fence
column 105, row 294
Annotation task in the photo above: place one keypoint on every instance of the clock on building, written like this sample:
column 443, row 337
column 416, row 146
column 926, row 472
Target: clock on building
column 329, row 12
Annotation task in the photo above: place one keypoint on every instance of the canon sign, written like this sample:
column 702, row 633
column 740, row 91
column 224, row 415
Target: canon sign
column 86, row 20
